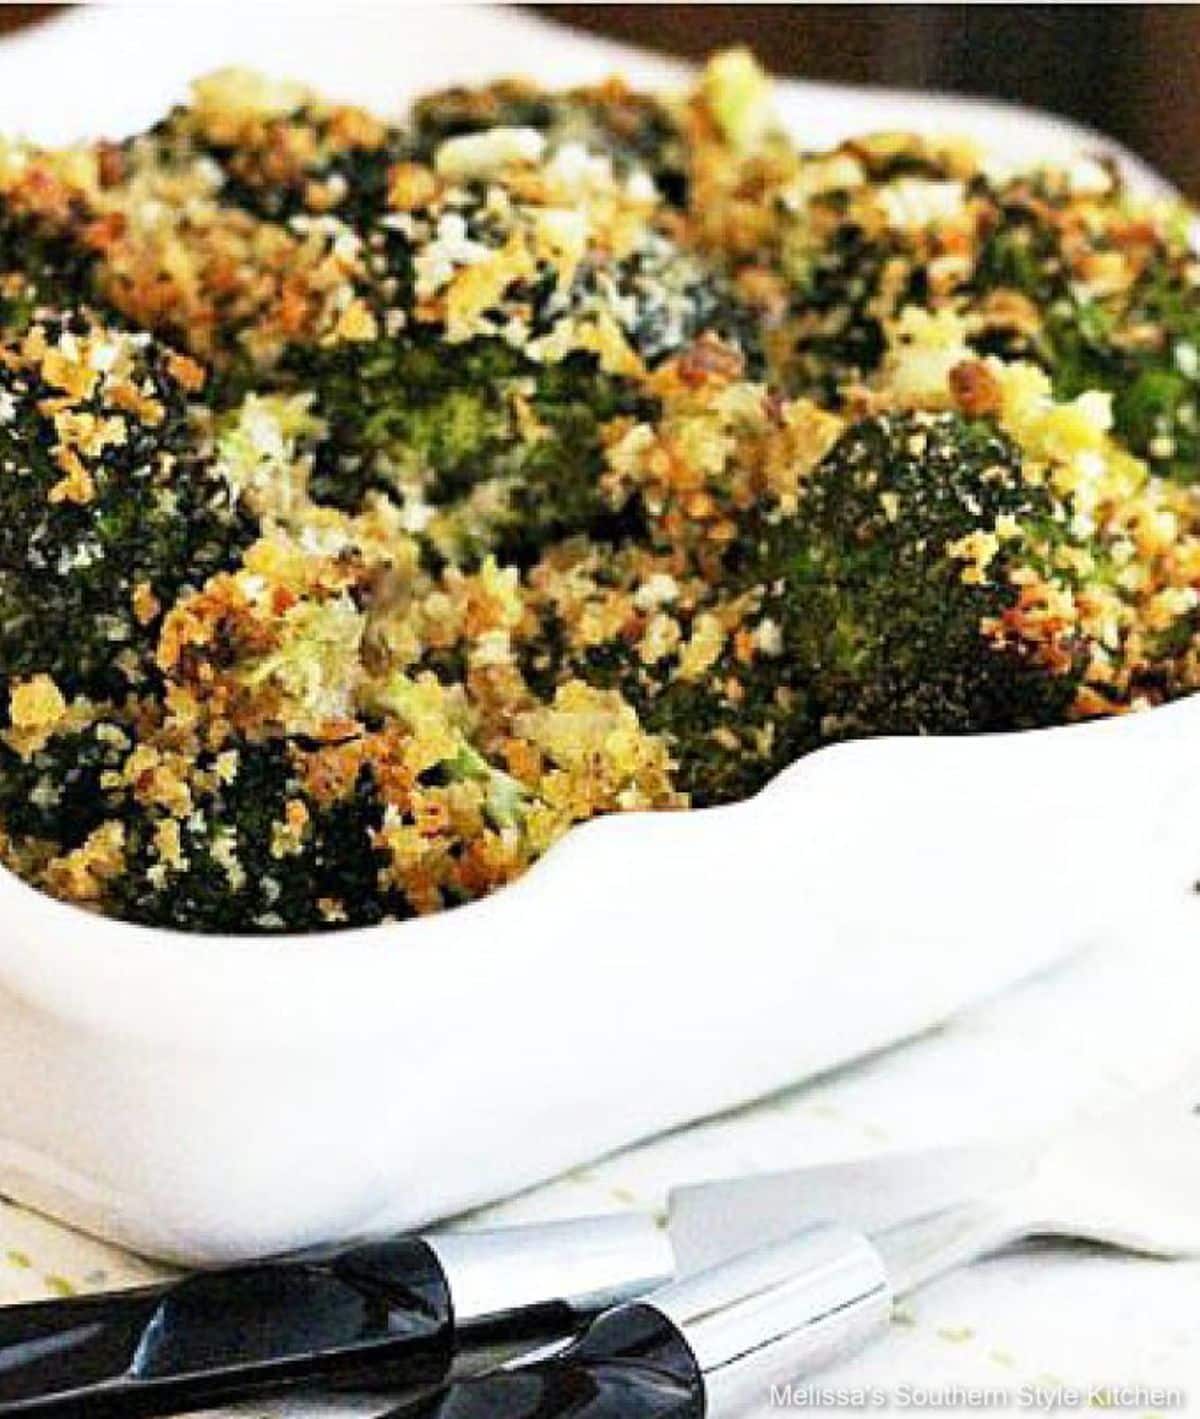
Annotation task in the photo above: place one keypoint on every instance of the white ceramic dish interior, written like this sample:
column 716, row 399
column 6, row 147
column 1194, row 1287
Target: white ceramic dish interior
column 203, row 1099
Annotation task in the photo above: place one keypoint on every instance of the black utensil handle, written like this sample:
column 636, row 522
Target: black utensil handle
column 631, row 1364
column 379, row 1312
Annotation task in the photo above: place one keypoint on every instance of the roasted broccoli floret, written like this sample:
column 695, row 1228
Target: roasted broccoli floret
column 885, row 619
column 42, row 257
column 63, row 790
column 703, row 671
column 507, row 453
column 258, row 853
column 280, row 150
column 106, row 512
column 857, row 245
column 876, row 621
column 1140, row 342
column 517, row 329
column 229, row 840
column 637, row 131
column 729, row 730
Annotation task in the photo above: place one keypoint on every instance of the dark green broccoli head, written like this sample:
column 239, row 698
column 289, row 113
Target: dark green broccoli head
column 849, row 267
column 1147, row 354
column 314, row 159
column 1139, row 339
column 54, row 266
column 635, row 130
column 731, row 730
column 18, row 301
column 509, row 453
column 257, row 853
column 716, row 688
column 105, row 514
column 505, row 434
column 62, row 791
column 881, row 620
column 839, row 296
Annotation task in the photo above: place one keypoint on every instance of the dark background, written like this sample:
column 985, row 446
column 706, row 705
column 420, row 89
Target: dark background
column 1132, row 71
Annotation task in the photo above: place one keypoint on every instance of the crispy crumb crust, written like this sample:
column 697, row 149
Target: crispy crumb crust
column 490, row 422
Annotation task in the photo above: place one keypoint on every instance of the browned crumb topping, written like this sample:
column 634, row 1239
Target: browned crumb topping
column 397, row 496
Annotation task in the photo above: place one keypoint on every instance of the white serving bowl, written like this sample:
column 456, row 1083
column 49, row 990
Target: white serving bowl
column 207, row 1098
column 201, row 1099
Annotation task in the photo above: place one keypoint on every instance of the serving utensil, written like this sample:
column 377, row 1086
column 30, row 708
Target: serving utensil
column 711, row 1347
column 414, row 1313
column 409, row 1313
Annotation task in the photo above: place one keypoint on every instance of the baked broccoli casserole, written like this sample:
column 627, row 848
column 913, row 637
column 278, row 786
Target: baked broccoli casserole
column 377, row 501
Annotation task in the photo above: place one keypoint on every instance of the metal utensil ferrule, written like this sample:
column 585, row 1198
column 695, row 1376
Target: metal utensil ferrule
column 587, row 1266
column 778, row 1313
